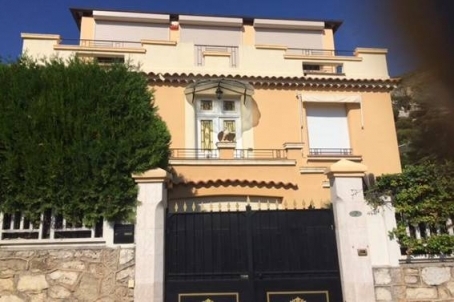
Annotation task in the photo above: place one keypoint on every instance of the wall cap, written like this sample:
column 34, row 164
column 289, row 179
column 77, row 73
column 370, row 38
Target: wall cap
column 153, row 175
column 371, row 50
column 40, row 36
column 293, row 146
column 346, row 168
column 226, row 145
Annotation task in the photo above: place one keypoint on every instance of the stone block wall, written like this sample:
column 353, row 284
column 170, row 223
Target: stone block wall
column 432, row 281
column 67, row 274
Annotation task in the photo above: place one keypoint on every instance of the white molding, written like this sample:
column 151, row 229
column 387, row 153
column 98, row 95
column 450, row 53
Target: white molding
column 130, row 17
column 289, row 24
column 312, row 170
column 232, row 162
column 214, row 21
column 310, row 158
column 293, row 146
column 52, row 242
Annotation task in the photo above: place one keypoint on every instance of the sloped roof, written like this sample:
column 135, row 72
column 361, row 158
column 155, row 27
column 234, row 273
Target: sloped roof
column 286, row 81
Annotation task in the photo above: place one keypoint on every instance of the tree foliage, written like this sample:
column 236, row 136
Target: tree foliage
column 423, row 197
column 424, row 133
column 71, row 135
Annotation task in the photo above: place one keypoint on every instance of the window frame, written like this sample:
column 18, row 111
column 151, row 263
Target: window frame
column 217, row 114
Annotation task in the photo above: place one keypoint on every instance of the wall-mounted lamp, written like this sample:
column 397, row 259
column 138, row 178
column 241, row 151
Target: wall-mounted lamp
column 219, row 93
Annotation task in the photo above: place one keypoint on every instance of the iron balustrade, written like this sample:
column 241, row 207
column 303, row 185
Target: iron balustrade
column 330, row 151
column 194, row 153
column 260, row 153
column 238, row 154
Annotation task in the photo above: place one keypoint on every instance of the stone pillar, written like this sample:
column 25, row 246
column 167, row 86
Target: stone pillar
column 350, row 212
column 294, row 151
column 149, row 236
column 385, row 252
column 226, row 150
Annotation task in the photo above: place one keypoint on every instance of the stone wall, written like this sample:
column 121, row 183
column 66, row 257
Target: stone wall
column 415, row 282
column 70, row 274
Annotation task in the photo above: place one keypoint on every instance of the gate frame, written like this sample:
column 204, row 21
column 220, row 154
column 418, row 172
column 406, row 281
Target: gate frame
column 351, row 231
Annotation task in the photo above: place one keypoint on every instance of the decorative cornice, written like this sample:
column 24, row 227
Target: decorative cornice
column 280, row 81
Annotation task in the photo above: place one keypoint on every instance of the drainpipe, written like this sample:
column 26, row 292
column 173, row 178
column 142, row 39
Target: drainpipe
column 300, row 106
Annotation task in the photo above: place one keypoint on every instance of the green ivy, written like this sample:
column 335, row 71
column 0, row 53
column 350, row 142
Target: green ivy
column 71, row 135
column 422, row 195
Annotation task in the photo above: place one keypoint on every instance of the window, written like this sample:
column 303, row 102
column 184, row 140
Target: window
column 328, row 131
column 109, row 60
column 217, row 120
column 311, row 68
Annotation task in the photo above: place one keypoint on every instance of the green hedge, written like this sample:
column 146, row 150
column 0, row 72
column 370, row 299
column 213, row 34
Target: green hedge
column 71, row 135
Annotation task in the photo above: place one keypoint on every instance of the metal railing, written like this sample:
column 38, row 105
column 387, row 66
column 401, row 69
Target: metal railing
column 18, row 227
column 319, row 52
column 194, row 153
column 260, row 154
column 330, row 151
column 237, row 154
column 200, row 49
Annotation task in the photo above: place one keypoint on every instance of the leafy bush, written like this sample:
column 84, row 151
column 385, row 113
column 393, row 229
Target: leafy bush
column 423, row 196
column 71, row 135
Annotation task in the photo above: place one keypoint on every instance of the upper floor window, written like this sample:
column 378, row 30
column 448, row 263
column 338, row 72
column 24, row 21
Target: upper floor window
column 217, row 120
column 328, row 131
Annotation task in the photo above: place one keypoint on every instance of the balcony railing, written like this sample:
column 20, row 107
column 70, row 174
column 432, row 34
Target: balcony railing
column 330, row 151
column 237, row 154
column 260, row 154
column 194, row 153
column 319, row 52
column 102, row 43
column 16, row 227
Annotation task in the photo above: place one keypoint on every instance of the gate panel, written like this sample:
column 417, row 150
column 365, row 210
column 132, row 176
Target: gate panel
column 252, row 256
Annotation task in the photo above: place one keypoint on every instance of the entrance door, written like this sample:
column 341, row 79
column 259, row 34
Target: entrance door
column 252, row 256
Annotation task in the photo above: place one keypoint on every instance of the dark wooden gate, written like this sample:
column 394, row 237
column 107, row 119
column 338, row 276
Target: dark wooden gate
column 252, row 256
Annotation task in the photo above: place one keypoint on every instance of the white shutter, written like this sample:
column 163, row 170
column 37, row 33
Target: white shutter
column 130, row 31
column 289, row 37
column 327, row 126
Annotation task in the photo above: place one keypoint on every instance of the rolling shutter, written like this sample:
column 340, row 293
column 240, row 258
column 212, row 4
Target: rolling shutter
column 327, row 126
column 130, row 31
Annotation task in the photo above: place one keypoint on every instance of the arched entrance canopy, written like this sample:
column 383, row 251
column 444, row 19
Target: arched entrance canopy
column 219, row 87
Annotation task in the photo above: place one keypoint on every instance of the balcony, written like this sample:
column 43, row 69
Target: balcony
column 179, row 155
column 332, row 154
column 99, row 46
column 244, row 171
column 172, row 57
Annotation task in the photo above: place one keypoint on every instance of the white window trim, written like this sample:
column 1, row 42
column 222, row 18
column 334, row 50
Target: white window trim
column 217, row 114
column 333, row 98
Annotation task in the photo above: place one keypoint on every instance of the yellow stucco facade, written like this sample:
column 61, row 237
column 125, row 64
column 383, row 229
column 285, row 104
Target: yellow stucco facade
column 282, row 146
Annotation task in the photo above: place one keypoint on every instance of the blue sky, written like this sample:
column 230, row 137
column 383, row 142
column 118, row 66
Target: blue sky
column 366, row 23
